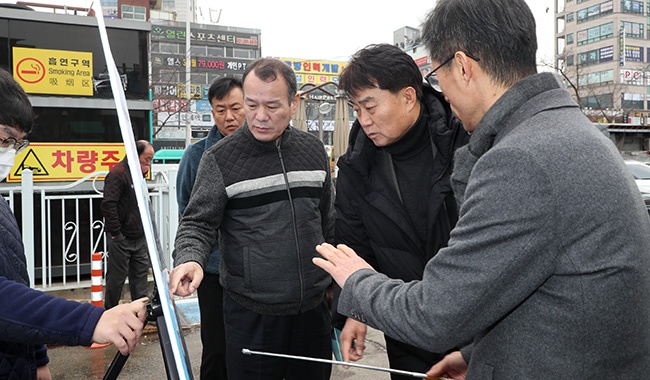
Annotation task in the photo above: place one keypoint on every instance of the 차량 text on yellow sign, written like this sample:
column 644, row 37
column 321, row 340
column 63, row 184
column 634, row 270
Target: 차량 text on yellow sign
column 57, row 72
column 66, row 161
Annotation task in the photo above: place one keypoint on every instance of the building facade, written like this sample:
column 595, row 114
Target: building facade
column 59, row 61
column 215, row 51
column 603, row 51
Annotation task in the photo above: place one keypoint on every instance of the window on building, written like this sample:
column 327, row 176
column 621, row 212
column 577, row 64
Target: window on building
column 212, row 77
column 596, row 56
column 243, row 53
column 569, row 17
column 633, row 29
column 132, row 45
column 569, row 60
column 599, row 101
column 569, row 38
column 632, row 6
column 595, row 11
column 596, row 78
column 88, row 125
column 595, row 34
column 200, row 78
column 168, row 48
column 215, row 51
column 134, row 12
column 168, row 76
column 198, row 50
column 632, row 101
column 561, row 24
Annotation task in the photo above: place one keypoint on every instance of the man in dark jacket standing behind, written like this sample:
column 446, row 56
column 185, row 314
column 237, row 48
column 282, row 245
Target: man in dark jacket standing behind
column 394, row 202
column 227, row 102
column 128, row 253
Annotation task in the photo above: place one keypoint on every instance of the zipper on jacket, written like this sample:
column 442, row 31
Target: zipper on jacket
column 293, row 222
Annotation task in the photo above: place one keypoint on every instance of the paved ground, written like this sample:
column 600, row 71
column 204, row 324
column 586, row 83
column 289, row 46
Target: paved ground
column 77, row 363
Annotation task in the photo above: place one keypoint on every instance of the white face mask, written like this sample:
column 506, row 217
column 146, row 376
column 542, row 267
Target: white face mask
column 6, row 163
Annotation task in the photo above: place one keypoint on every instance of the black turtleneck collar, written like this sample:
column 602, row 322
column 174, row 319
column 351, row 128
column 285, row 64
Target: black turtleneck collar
column 413, row 141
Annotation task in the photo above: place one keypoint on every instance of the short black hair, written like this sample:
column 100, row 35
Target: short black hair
column 384, row 66
column 501, row 33
column 15, row 109
column 221, row 87
column 269, row 69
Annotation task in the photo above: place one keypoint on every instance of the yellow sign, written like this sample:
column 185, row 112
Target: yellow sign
column 196, row 91
column 59, row 72
column 66, row 161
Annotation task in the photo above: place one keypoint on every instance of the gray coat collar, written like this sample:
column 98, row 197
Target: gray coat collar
column 526, row 98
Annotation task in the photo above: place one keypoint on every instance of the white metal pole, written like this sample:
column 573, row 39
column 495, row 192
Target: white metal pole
column 246, row 351
column 27, row 202
column 188, row 124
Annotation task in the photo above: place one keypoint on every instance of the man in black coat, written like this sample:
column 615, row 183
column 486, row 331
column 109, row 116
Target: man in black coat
column 394, row 202
column 128, row 255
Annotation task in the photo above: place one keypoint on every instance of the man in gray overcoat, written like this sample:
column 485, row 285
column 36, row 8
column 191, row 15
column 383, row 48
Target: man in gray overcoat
column 548, row 269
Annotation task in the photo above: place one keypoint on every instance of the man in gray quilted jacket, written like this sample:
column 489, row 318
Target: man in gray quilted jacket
column 267, row 190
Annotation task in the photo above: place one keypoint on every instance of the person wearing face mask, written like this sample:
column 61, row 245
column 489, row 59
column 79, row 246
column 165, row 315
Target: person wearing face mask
column 9, row 147
column 127, row 248
column 30, row 318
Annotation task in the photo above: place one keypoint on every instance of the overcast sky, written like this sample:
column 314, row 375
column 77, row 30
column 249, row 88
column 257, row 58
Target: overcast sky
column 335, row 29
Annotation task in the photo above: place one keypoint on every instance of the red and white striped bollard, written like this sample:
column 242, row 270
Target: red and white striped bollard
column 96, row 287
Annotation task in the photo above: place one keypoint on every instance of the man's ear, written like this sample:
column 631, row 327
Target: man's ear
column 465, row 64
column 409, row 96
column 294, row 103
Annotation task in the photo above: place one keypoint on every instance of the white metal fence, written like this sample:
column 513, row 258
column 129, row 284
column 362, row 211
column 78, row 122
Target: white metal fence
column 62, row 225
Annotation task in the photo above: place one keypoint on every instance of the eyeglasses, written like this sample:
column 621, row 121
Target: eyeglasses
column 432, row 78
column 12, row 143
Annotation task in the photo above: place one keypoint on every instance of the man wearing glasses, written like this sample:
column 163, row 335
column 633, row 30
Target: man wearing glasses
column 394, row 202
column 9, row 148
column 30, row 318
column 547, row 271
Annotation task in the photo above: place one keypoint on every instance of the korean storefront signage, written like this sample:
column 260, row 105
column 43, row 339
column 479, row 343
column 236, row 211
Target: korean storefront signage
column 57, row 72
column 314, row 71
column 167, row 33
column 66, row 162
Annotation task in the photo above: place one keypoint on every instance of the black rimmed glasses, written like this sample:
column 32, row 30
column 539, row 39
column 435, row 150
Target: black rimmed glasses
column 11, row 143
column 432, row 79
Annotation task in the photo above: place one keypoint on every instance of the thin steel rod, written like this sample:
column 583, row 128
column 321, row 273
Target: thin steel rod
column 246, row 351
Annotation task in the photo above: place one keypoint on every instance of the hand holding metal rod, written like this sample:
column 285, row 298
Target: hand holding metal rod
column 246, row 351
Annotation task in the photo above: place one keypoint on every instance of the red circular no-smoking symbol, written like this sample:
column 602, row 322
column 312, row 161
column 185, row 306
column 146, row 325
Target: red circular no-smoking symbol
column 30, row 70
